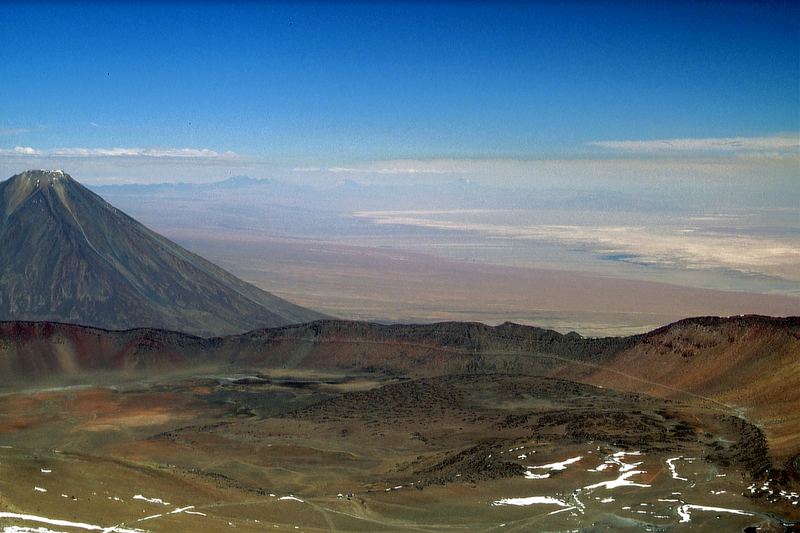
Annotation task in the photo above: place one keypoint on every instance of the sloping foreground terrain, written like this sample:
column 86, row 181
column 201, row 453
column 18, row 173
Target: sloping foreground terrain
column 343, row 426
column 69, row 256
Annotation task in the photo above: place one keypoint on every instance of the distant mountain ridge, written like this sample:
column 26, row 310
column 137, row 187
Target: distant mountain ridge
column 354, row 195
column 234, row 182
column 69, row 256
column 414, row 349
column 749, row 364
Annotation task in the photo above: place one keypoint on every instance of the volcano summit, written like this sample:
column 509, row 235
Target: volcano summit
column 70, row 256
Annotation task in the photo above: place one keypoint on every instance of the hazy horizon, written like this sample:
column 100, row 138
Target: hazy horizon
column 643, row 143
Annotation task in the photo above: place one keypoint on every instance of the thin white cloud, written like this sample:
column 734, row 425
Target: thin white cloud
column 398, row 167
column 179, row 153
column 10, row 132
column 668, row 169
column 414, row 170
column 24, row 150
column 197, row 165
column 776, row 145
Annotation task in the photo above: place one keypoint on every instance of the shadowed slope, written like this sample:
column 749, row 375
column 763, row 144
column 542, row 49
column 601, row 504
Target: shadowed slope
column 749, row 363
column 69, row 256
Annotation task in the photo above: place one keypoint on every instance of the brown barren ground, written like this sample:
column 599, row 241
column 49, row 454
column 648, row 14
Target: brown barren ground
column 297, row 450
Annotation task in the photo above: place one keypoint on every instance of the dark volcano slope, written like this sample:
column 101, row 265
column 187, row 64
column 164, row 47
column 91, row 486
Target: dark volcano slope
column 69, row 256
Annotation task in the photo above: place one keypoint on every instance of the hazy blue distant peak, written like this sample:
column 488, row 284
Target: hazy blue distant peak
column 242, row 181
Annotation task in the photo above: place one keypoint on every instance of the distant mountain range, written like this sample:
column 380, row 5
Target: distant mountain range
column 234, row 182
column 351, row 195
column 70, row 256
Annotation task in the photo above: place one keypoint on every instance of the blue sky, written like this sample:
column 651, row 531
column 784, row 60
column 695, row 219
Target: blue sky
column 331, row 83
column 679, row 120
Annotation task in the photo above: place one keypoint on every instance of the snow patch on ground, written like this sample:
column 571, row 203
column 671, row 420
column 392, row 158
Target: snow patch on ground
column 616, row 460
column 685, row 511
column 531, row 500
column 24, row 529
column 67, row 523
column 673, row 470
column 151, row 500
column 558, row 466
column 621, row 481
column 531, row 475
